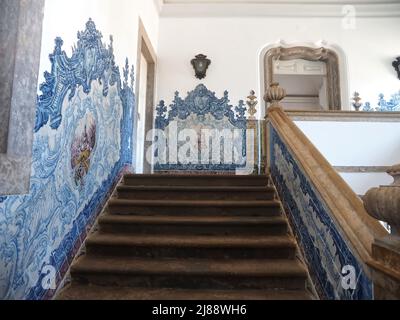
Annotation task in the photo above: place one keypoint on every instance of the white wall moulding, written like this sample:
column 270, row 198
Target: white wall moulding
column 269, row 8
column 345, row 116
column 361, row 169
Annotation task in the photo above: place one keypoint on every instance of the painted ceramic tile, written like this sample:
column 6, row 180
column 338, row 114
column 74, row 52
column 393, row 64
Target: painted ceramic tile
column 82, row 148
column 84, row 117
column 384, row 105
column 201, row 109
column 319, row 236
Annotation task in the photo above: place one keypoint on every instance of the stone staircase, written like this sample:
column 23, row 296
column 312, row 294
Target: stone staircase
column 200, row 237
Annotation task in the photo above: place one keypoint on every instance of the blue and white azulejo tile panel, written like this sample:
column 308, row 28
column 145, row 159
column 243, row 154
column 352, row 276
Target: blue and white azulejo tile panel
column 82, row 142
column 325, row 248
column 202, row 110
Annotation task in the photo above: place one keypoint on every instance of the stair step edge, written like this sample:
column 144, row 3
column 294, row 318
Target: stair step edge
column 126, row 266
column 192, row 241
column 95, row 292
column 196, row 176
column 195, row 203
column 168, row 220
column 197, row 188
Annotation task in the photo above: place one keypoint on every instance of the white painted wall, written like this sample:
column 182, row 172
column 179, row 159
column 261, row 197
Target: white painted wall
column 357, row 144
column 234, row 45
column 362, row 182
column 113, row 17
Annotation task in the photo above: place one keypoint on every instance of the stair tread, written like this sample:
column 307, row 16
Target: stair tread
column 191, row 240
column 172, row 247
column 197, row 188
column 228, row 267
column 196, row 176
column 195, row 203
column 94, row 292
column 165, row 219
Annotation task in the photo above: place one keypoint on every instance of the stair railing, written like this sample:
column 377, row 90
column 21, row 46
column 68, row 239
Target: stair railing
column 332, row 227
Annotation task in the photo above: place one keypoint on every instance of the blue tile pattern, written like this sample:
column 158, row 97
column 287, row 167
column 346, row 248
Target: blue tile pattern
column 201, row 107
column 384, row 105
column 48, row 225
column 321, row 240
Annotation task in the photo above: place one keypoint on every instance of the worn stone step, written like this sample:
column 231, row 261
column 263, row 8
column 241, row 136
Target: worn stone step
column 196, row 192
column 194, row 180
column 190, row 274
column 193, row 207
column 192, row 246
column 193, row 225
column 200, row 237
column 93, row 292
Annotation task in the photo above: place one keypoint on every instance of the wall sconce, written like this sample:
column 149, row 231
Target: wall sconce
column 396, row 66
column 200, row 65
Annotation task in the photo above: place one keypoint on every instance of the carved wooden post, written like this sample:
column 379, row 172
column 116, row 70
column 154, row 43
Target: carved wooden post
column 383, row 203
column 273, row 97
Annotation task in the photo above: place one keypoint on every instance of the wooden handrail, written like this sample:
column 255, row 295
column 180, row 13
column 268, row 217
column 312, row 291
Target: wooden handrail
column 346, row 207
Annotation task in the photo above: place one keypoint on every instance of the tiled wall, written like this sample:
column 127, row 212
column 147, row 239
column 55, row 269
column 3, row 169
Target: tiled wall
column 323, row 244
column 82, row 144
column 202, row 110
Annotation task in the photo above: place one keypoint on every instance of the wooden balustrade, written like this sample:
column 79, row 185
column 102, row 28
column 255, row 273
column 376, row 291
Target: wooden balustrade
column 360, row 229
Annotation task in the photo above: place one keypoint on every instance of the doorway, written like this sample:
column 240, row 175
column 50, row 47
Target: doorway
column 145, row 89
column 310, row 75
column 306, row 84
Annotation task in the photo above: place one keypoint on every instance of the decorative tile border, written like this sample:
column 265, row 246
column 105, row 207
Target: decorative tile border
column 201, row 101
column 325, row 249
column 383, row 105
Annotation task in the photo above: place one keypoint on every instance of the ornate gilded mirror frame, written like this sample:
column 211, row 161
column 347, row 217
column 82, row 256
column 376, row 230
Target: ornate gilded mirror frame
column 311, row 54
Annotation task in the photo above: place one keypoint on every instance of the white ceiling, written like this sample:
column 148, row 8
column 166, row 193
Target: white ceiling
column 281, row 1
column 276, row 8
